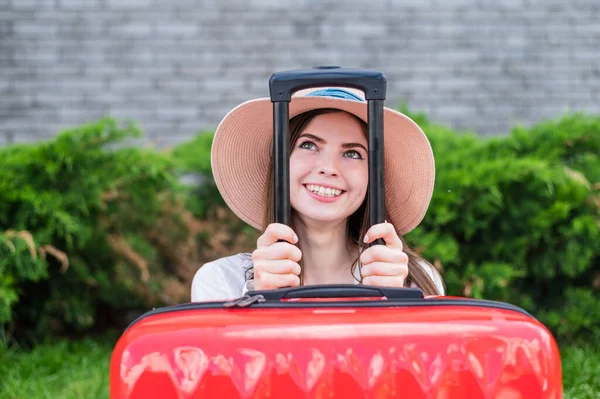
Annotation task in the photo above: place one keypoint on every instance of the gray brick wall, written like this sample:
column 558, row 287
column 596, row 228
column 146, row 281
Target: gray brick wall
column 178, row 66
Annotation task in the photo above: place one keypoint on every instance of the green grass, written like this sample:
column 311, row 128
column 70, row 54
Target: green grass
column 581, row 372
column 80, row 370
column 59, row 370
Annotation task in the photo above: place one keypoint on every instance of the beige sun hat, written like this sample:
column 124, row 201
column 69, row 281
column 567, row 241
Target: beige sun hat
column 241, row 154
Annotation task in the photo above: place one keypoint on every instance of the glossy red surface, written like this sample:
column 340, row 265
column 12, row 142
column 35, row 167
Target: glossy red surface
column 392, row 352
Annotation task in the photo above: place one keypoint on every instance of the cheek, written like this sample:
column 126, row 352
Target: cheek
column 299, row 165
column 357, row 176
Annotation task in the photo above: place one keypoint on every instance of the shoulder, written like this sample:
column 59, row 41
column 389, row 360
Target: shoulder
column 221, row 279
column 436, row 277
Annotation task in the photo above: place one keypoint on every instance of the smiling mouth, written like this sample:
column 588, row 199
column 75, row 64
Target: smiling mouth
column 324, row 191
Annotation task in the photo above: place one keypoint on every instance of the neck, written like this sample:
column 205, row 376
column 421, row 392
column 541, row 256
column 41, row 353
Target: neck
column 325, row 255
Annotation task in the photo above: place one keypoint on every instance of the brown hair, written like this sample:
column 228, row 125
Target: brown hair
column 358, row 222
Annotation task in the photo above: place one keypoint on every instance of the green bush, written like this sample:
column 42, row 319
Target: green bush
column 517, row 219
column 81, row 223
column 90, row 227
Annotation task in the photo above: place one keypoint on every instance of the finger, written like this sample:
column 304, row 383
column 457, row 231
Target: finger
column 269, row 281
column 382, row 253
column 278, row 250
column 275, row 232
column 281, row 266
column 384, row 269
column 387, row 232
column 384, row 281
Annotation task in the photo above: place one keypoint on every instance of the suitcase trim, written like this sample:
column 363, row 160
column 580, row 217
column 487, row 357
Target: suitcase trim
column 335, row 304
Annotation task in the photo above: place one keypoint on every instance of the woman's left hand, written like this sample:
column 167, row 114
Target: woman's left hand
column 384, row 265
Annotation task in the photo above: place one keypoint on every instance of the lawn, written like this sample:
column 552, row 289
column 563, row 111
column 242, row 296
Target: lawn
column 80, row 370
column 59, row 370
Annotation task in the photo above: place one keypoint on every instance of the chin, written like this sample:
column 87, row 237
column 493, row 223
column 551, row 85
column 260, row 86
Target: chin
column 322, row 217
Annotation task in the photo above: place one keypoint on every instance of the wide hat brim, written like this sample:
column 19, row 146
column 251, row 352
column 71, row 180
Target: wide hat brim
column 241, row 155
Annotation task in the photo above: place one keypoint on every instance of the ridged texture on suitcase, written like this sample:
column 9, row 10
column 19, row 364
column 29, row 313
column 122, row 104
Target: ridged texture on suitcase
column 422, row 352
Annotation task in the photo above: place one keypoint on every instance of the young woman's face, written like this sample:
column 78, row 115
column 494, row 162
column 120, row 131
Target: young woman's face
column 329, row 168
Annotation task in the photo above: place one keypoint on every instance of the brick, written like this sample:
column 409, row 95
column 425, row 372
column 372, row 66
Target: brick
column 129, row 4
column 21, row 5
column 39, row 57
column 586, row 56
column 79, row 4
column 130, row 29
column 170, row 113
column 177, row 30
column 29, row 29
column 65, row 98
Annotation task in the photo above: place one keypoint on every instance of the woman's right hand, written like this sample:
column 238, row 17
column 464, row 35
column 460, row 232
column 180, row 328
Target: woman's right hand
column 276, row 263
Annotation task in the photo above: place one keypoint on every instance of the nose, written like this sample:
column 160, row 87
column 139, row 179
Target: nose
column 328, row 166
column 327, row 171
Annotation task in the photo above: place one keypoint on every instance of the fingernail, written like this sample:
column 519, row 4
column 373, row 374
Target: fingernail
column 295, row 238
column 366, row 239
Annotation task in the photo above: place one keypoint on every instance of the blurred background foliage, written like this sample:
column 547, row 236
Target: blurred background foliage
column 94, row 232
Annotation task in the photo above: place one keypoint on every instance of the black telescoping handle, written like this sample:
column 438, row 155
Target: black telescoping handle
column 338, row 291
column 283, row 84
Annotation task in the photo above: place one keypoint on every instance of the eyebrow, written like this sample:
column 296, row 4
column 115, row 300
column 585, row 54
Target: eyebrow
column 321, row 141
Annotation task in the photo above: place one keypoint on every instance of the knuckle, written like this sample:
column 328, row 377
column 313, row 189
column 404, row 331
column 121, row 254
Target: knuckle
column 296, row 253
column 366, row 255
column 257, row 254
column 262, row 280
column 293, row 267
column 366, row 271
column 273, row 231
column 278, row 251
column 290, row 251
column 287, row 266
column 271, row 227
column 373, row 269
column 259, row 268
column 403, row 257
column 294, row 281
column 397, row 257
column 382, row 269
column 379, row 252
column 268, row 231
column 402, row 270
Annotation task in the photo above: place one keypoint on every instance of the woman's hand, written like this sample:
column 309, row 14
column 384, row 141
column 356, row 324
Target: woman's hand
column 276, row 263
column 384, row 265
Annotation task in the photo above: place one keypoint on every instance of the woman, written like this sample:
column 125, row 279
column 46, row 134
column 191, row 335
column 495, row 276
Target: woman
column 327, row 242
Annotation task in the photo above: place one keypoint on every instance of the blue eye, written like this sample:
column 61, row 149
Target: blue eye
column 353, row 154
column 307, row 145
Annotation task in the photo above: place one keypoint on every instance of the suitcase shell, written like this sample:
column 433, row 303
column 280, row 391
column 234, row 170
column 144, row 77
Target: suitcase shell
column 433, row 347
column 309, row 343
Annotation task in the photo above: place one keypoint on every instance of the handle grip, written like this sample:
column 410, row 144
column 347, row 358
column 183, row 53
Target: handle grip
column 283, row 84
column 339, row 291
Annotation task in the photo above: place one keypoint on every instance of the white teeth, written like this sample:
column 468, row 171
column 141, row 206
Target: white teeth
column 322, row 191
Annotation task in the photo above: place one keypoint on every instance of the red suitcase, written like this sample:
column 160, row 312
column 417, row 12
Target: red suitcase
column 338, row 341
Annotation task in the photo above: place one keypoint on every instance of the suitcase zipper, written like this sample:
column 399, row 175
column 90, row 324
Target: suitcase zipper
column 263, row 303
column 244, row 301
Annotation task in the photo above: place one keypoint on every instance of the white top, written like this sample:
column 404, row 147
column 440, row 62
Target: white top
column 225, row 278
